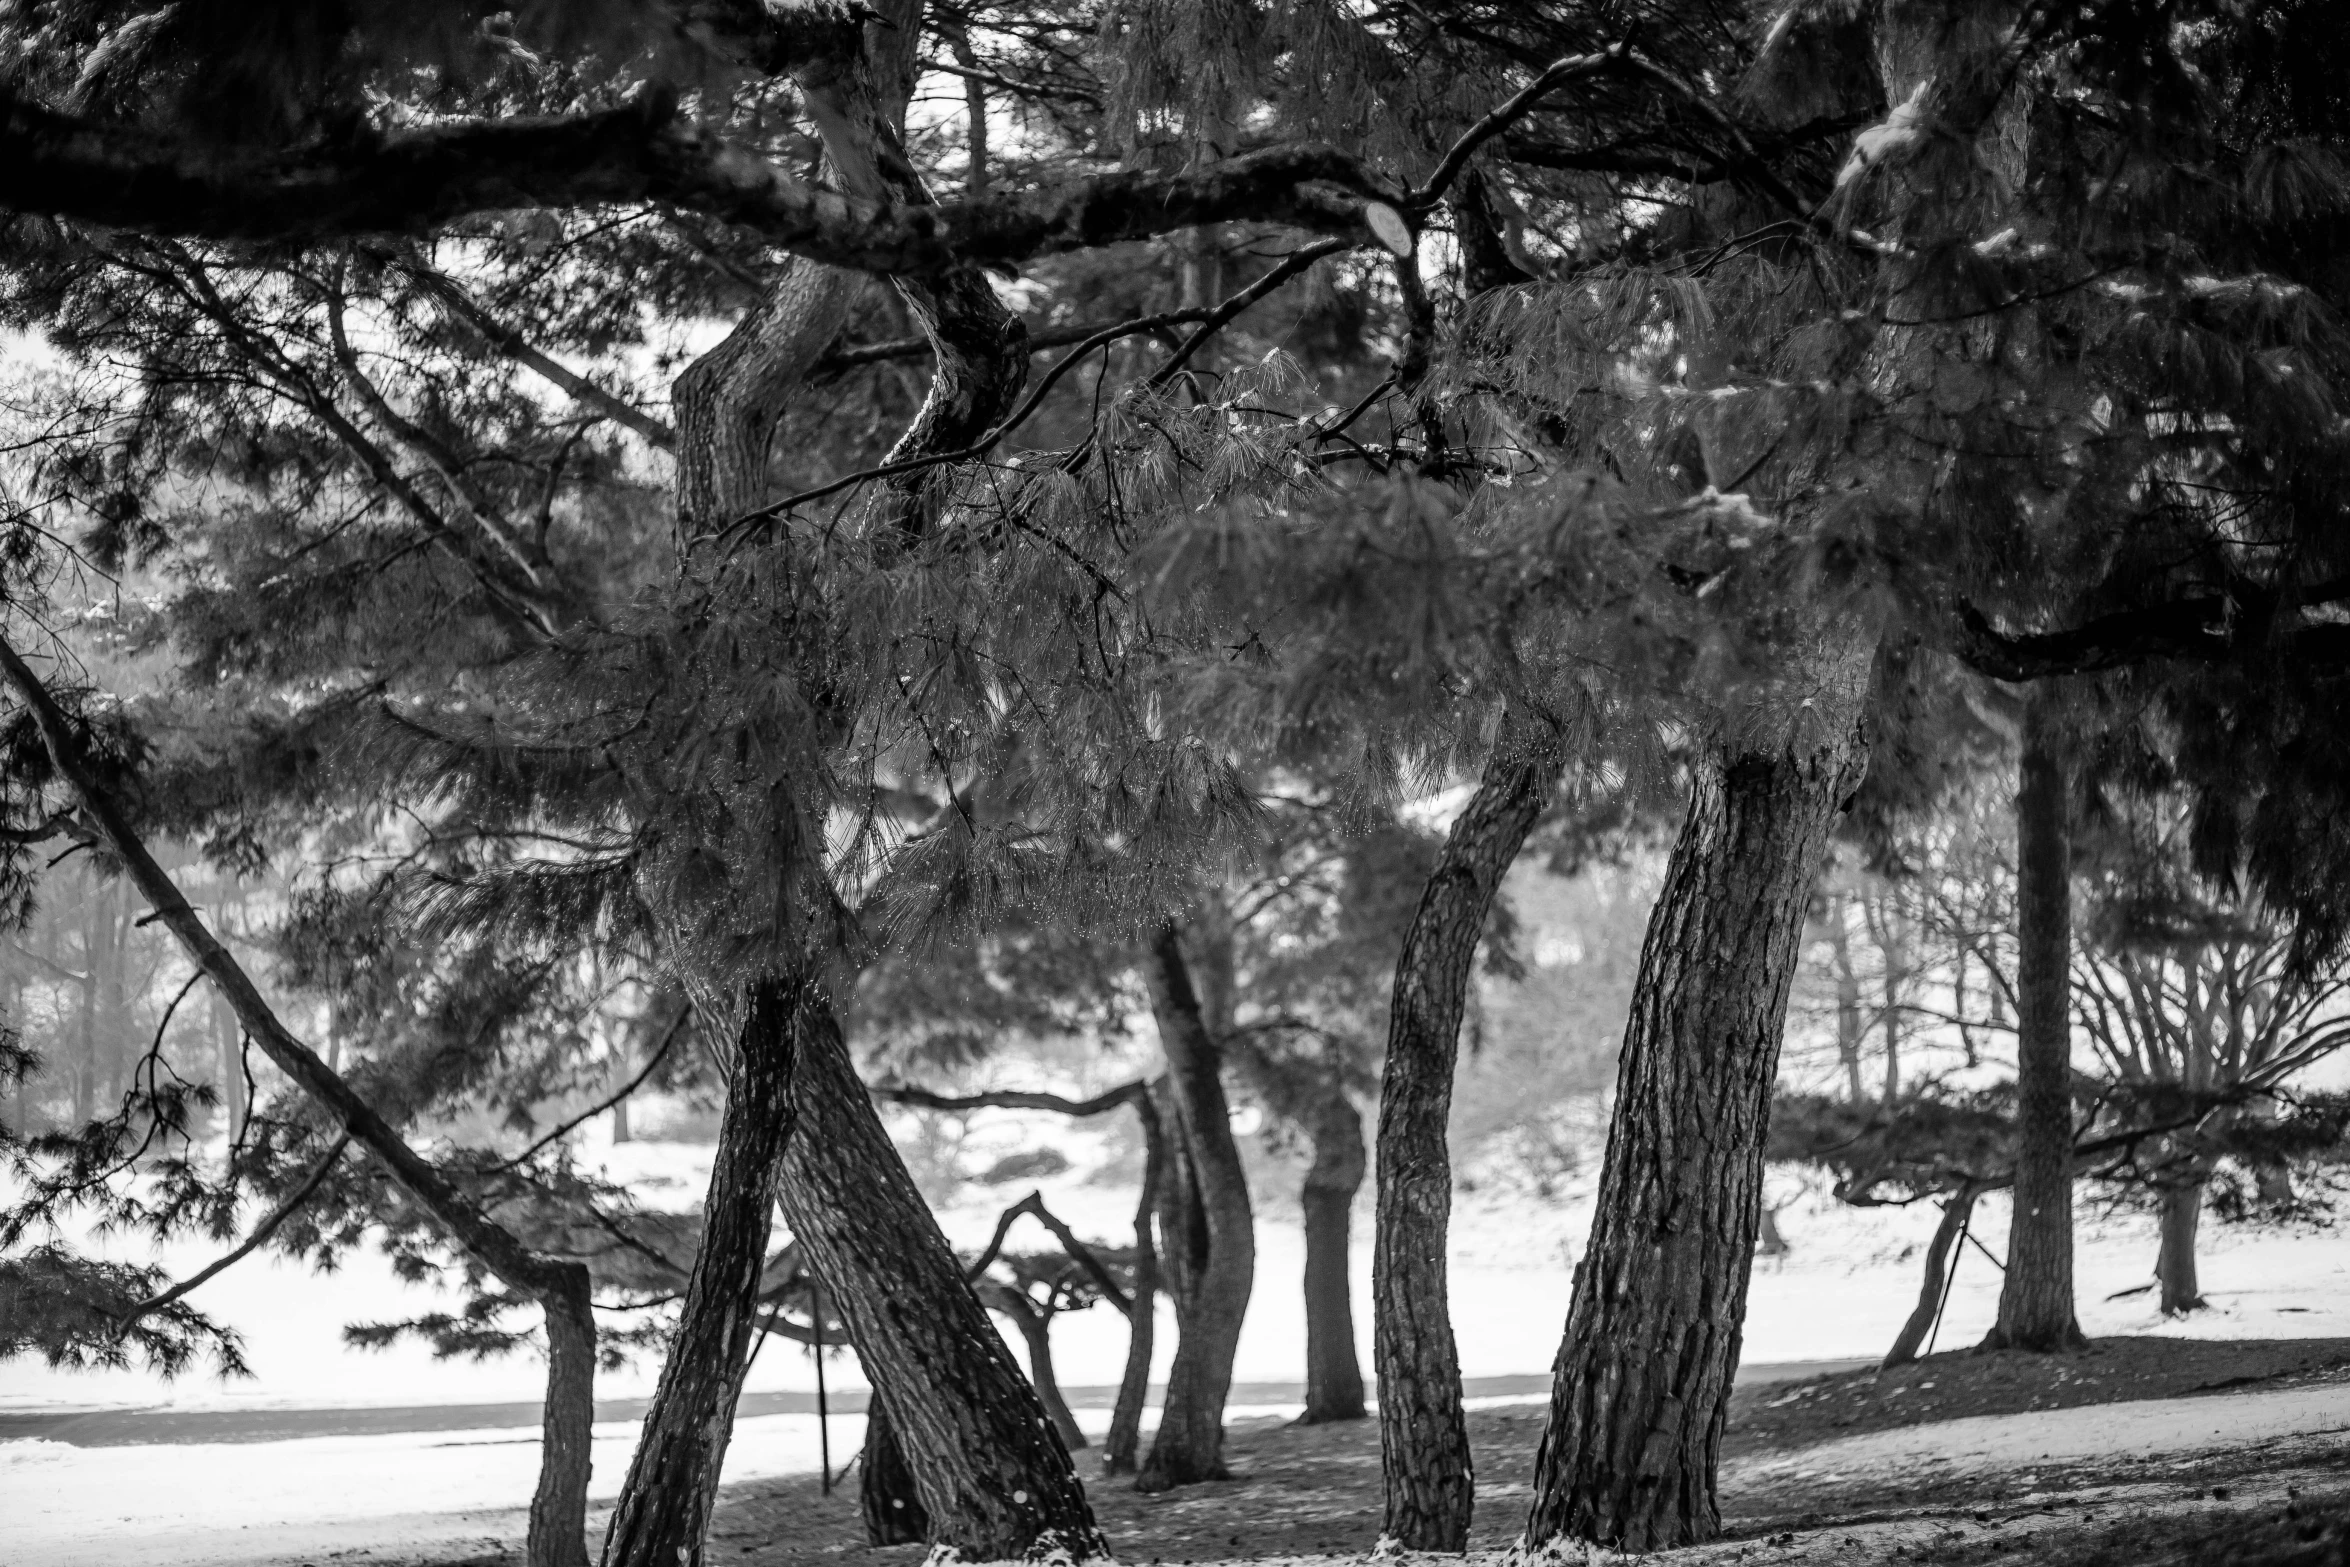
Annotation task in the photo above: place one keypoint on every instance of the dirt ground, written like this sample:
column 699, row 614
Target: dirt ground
column 1315, row 1491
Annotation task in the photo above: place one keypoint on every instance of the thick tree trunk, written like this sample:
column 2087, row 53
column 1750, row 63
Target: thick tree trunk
column 1423, row 1434
column 2174, row 1265
column 2036, row 1296
column 1206, row 1228
column 1642, row 1382
column 1334, row 1376
column 992, row 1473
column 886, row 1493
column 663, row 1513
column 1122, row 1446
column 1955, row 1215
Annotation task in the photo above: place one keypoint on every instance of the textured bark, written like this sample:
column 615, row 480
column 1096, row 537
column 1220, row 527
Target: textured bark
column 1955, row 1215
column 992, row 1473
column 1423, row 1433
column 1334, row 1376
column 2036, row 1295
column 2174, row 1264
column 663, row 1514
column 1641, row 1387
column 886, row 1493
column 1206, row 1228
column 1121, row 1446
column 557, row 1538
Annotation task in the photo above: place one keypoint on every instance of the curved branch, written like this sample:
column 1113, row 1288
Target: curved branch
column 286, row 1208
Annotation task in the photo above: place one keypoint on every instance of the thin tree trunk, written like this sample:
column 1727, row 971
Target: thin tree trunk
column 1334, row 1376
column 558, row 1508
column 663, row 1515
column 1423, row 1433
column 1848, row 1027
column 556, row 1539
column 2174, row 1266
column 1035, row 1326
column 1641, row 1387
column 992, row 1473
column 1121, row 1447
column 2036, row 1295
column 1955, row 1213
column 886, row 1492
column 1206, row 1227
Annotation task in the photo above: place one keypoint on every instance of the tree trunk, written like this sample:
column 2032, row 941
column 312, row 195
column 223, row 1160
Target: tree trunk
column 1206, row 1228
column 2174, row 1266
column 1423, row 1433
column 992, row 1473
column 2036, row 1297
column 886, row 1492
column 1956, row 1213
column 1035, row 1326
column 1642, row 1382
column 1848, row 1026
column 560, row 1286
column 558, row 1509
column 663, row 1514
column 1334, row 1376
column 1121, row 1446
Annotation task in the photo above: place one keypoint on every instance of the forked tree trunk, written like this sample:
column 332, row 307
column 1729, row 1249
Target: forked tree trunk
column 663, row 1514
column 992, row 1473
column 1423, row 1433
column 1334, row 1377
column 2036, row 1295
column 1956, row 1213
column 2174, row 1265
column 1206, row 1228
column 1121, row 1447
column 1642, row 1382
column 886, row 1494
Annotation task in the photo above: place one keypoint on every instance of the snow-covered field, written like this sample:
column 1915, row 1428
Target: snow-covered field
column 1841, row 1293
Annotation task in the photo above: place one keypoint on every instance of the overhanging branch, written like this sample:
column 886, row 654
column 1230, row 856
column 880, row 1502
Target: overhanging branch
column 419, row 181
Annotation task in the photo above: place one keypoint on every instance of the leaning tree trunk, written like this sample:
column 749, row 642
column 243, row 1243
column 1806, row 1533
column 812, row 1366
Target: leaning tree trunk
column 1334, row 1377
column 992, row 1473
column 1423, row 1433
column 1206, row 1228
column 1120, row 1447
column 1956, row 1214
column 558, row 1522
column 886, row 1493
column 663, row 1515
column 2174, row 1264
column 2036, row 1296
column 1642, row 1383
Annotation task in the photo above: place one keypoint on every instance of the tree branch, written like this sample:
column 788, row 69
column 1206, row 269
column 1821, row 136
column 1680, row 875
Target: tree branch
column 418, row 181
column 498, row 1249
column 268, row 1226
column 1014, row 1099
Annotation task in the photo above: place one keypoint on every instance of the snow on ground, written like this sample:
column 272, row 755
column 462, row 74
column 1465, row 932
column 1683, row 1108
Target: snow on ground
column 2149, row 1428
column 1841, row 1293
